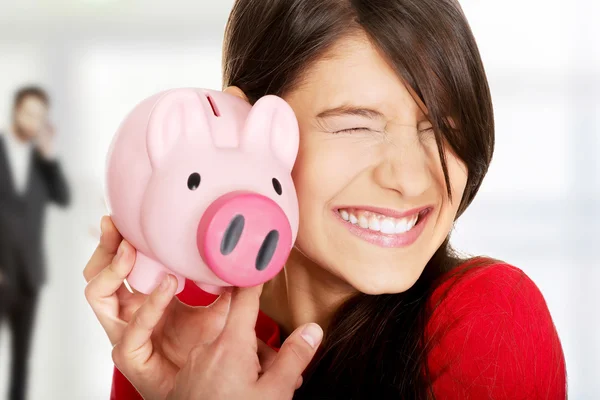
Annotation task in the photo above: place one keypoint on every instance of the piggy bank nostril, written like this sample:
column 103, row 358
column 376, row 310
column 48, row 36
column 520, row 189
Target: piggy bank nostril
column 267, row 249
column 232, row 234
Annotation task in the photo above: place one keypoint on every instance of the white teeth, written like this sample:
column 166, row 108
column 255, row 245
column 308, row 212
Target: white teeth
column 344, row 215
column 406, row 224
column 387, row 226
column 401, row 226
column 377, row 222
column 374, row 224
column 413, row 220
column 363, row 222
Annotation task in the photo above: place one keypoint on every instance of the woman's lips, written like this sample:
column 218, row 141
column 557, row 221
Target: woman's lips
column 383, row 227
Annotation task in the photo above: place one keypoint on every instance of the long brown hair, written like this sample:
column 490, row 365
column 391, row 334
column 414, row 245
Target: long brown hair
column 375, row 345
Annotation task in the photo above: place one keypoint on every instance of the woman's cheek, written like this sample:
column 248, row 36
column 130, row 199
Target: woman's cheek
column 458, row 178
column 343, row 159
column 315, row 171
column 458, row 174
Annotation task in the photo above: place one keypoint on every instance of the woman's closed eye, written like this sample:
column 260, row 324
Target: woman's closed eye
column 356, row 129
column 352, row 130
column 423, row 133
column 426, row 132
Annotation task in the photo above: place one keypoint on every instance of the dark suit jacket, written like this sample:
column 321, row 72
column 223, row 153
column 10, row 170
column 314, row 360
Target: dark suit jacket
column 22, row 218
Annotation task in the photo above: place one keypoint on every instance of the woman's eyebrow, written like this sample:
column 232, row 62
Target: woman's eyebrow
column 351, row 110
column 361, row 111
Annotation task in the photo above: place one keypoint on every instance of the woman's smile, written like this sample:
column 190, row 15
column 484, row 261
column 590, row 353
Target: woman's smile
column 384, row 227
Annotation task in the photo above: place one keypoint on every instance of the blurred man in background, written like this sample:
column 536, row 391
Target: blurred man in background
column 30, row 178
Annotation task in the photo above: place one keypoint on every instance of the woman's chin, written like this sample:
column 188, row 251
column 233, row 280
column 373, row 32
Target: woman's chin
column 374, row 282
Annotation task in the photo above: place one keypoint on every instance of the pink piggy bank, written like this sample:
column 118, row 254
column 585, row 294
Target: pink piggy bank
column 199, row 182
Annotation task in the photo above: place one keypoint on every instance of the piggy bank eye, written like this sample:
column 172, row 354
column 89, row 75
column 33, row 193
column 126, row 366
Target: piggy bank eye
column 194, row 181
column 277, row 186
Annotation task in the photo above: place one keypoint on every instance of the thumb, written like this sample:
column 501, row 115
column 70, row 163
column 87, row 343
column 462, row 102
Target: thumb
column 266, row 356
column 293, row 358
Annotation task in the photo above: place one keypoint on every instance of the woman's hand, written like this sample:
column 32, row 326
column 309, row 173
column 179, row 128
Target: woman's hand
column 179, row 329
column 229, row 366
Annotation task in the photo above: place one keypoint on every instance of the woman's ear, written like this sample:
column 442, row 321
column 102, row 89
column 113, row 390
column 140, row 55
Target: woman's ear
column 236, row 91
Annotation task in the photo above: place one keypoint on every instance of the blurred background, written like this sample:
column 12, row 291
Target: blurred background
column 538, row 208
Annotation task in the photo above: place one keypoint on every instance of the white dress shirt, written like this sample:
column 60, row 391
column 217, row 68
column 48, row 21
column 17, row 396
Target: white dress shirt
column 19, row 159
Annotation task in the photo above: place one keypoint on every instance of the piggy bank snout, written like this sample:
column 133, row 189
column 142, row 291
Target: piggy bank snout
column 244, row 238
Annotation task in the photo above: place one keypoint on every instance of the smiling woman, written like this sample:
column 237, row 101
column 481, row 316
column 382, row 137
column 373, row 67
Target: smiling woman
column 363, row 151
column 396, row 136
column 397, row 129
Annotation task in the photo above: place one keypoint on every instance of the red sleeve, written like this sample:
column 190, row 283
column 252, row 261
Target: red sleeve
column 492, row 337
column 266, row 329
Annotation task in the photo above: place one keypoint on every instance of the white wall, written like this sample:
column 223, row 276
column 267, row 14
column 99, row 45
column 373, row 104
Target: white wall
column 537, row 208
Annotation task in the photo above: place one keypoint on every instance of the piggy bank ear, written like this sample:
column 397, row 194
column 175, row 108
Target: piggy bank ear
column 177, row 115
column 272, row 126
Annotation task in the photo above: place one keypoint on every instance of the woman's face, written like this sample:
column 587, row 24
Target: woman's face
column 373, row 203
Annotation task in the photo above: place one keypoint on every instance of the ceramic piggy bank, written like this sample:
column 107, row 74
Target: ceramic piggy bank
column 199, row 182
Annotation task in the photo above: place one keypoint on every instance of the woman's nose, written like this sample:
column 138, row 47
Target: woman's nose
column 405, row 168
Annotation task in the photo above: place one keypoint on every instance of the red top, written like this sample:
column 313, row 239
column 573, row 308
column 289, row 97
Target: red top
column 492, row 335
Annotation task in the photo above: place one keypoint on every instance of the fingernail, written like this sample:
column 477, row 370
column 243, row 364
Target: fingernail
column 120, row 252
column 312, row 334
column 164, row 285
column 102, row 227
